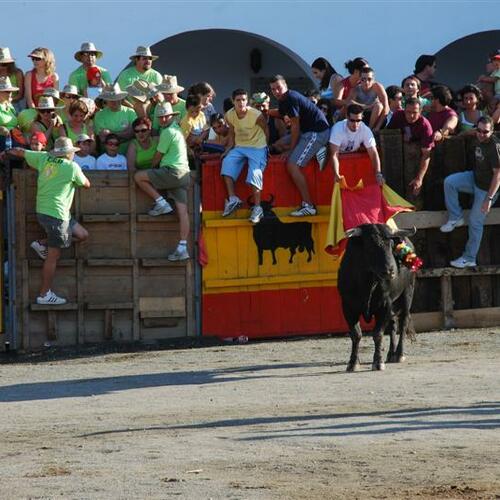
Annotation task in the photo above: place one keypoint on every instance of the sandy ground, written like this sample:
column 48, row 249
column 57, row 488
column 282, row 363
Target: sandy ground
column 257, row 421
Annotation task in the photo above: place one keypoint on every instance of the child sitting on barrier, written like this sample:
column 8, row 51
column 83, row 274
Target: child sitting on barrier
column 58, row 175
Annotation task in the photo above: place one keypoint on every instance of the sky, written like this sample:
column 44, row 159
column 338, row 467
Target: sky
column 390, row 34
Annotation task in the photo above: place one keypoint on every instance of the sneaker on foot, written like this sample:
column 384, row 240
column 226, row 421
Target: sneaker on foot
column 451, row 225
column 256, row 214
column 305, row 209
column 40, row 249
column 231, row 205
column 180, row 253
column 161, row 208
column 51, row 299
column 461, row 262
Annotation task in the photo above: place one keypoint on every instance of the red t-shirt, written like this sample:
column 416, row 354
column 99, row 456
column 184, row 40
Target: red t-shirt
column 419, row 131
column 438, row 118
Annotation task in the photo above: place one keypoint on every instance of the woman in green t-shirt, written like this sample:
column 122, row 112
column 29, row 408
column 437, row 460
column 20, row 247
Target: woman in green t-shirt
column 142, row 148
column 78, row 123
column 8, row 68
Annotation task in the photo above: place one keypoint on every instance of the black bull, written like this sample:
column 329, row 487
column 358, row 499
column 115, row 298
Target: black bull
column 270, row 234
column 373, row 283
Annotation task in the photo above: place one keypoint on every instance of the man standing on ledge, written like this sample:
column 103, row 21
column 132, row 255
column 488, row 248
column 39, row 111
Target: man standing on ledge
column 309, row 133
column 482, row 182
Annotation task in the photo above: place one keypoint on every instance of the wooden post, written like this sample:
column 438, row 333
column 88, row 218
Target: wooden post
column 447, row 303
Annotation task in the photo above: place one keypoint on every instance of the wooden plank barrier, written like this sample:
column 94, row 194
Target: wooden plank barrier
column 119, row 284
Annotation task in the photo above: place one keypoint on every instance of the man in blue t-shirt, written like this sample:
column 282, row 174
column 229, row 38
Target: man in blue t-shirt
column 309, row 132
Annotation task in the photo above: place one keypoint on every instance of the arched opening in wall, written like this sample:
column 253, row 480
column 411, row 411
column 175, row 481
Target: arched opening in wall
column 462, row 61
column 230, row 59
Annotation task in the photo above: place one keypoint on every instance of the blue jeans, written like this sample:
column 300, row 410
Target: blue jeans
column 463, row 182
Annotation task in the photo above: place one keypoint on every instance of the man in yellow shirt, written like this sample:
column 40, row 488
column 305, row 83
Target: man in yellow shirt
column 247, row 141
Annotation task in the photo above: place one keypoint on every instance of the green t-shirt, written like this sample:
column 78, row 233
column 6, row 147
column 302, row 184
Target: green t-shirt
column 8, row 117
column 79, row 78
column 144, row 157
column 173, row 148
column 25, row 119
column 57, row 178
column 115, row 121
column 129, row 75
column 179, row 107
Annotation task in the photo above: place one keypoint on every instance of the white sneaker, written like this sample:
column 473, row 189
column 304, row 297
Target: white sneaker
column 460, row 263
column 180, row 253
column 256, row 214
column 161, row 208
column 40, row 249
column 231, row 205
column 304, row 210
column 51, row 299
column 451, row 225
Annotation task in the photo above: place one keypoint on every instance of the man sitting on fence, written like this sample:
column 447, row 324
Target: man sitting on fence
column 482, row 182
column 247, row 143
column 170, row 172
column 309, row 132
column 58, row 175
column 415, row 128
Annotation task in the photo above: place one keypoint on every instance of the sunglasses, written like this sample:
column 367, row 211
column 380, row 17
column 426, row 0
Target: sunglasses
column 4, row 65
column 482, row 131
column 141, row 130
column 45, row 111
column 69, row 96
column 88, row 141
column 36, row 59
column 147, row 58
column 355, row 121
column 112, row 143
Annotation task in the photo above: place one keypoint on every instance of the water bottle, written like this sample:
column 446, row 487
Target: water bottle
column 8, row 142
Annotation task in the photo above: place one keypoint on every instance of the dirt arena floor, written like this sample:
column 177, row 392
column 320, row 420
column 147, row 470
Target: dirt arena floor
column 258, row 421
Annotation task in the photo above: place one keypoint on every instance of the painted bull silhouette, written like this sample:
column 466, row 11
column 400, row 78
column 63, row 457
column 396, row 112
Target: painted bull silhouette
column 270, row 233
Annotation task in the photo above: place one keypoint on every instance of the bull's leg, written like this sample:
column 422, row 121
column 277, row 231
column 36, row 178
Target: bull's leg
column 292, row 254
column 309, row 256
column 274, row 256
column 404, row 321
column 355, row 334
column 260, row 256
column 391, row 330
column 381, row 320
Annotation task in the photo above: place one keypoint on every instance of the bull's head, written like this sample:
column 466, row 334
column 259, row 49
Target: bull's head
column 378, row 242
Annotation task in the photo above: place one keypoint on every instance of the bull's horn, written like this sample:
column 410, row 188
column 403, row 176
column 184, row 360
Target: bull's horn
column 355, row 231
column 403, row 233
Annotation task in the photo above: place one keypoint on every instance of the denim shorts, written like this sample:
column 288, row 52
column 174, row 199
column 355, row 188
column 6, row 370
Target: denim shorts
column 58, row 231
column 233, row 164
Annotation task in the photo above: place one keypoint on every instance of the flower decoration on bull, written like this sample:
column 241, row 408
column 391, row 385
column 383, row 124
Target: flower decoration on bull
column 408, row 257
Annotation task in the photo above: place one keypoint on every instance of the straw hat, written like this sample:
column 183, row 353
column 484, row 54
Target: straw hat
column 90, row 103
column 260, row 97
column 169, row 85
column 45, row 102
column 70, row 89
column 87, row 47
column 6, row 85
column 165, row 109
column 113, row 93
column 51, row 92
column 138, row 90
column 5, row 56
column 143, row 52
column 82, row 138
column 63, row 146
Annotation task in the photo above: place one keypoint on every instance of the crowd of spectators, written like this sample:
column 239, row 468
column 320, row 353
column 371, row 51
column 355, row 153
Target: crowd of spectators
column 139, row 122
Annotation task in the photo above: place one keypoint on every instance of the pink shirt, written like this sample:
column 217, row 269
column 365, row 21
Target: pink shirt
column 437, row 119
column 37, row 88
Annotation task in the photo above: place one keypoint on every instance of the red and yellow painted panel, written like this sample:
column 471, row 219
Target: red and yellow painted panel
column 298, row 298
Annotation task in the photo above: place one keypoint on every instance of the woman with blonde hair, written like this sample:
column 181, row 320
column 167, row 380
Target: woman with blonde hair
column 42, row 76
